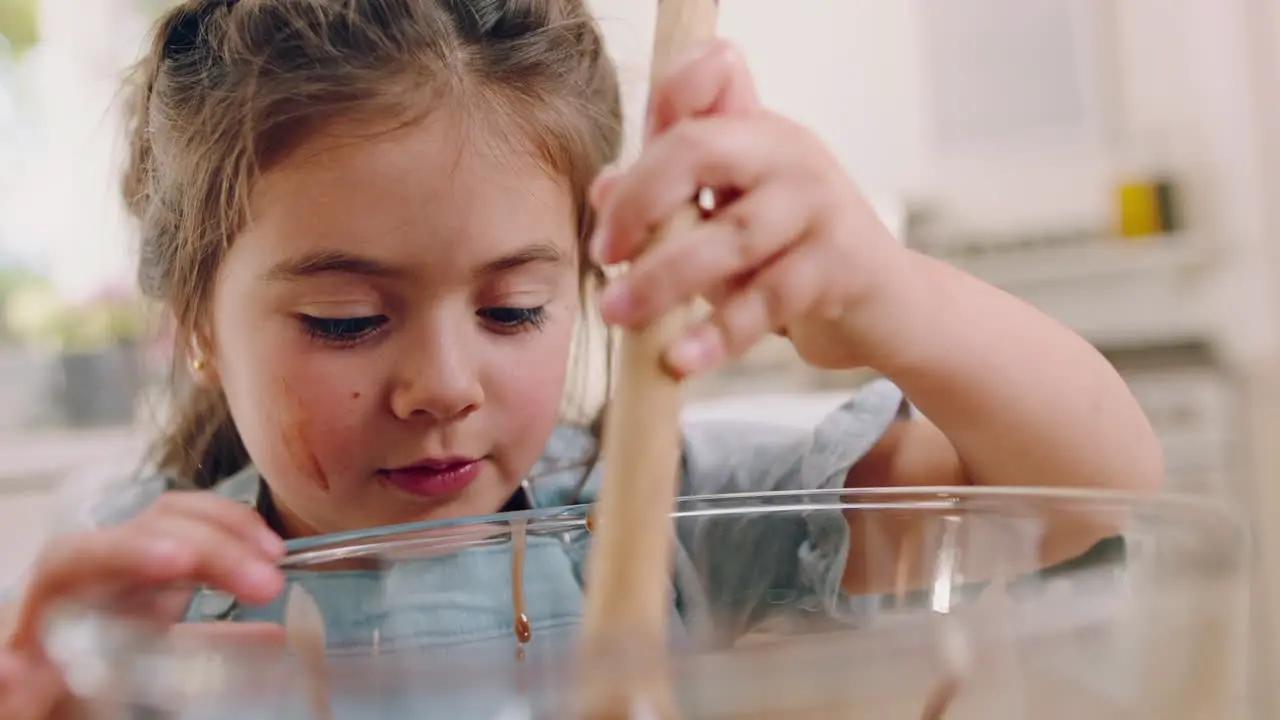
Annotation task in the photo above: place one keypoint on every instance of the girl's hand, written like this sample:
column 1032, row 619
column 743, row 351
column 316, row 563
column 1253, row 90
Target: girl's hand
column 183, row 539
column 791, row 246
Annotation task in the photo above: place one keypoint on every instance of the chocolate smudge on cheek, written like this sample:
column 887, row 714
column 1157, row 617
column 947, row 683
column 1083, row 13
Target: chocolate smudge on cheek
column 296, row 429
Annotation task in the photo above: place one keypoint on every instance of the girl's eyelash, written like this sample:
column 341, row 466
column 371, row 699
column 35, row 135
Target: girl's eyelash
column 511, row 319
column 345, row 331
column 349, row 331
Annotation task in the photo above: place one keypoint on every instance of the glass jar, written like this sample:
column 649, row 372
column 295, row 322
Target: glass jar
column 957, row 603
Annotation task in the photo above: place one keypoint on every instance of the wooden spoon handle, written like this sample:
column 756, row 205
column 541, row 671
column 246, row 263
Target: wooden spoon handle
column 629, row 572
column 682, row 25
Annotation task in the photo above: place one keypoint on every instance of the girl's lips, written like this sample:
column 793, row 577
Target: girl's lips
column 434, row 480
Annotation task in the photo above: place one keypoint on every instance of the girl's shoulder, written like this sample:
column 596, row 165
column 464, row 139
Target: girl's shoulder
column 733, row 452
column 747, row 426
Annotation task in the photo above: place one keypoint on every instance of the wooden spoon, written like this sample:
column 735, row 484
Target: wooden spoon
column 629, row 570
column 304, row 633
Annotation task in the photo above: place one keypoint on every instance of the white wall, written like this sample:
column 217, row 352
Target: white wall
column 811, row 62
column 855, row 71
column 66, row 210
column 1182, row 99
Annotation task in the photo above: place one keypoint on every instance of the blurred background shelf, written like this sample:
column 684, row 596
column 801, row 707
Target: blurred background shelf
column 1116, row 293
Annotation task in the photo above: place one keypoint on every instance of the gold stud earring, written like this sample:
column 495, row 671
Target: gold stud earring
column 197, row 364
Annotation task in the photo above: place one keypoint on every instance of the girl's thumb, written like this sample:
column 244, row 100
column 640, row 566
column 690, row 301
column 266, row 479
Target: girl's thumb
column 31, row 689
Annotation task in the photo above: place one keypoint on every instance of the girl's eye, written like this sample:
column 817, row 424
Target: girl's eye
column 513, row 319
column 342, row 331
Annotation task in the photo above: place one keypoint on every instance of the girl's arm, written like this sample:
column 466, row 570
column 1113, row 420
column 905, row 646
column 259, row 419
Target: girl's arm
column 1019, row 399
column 1012, row 398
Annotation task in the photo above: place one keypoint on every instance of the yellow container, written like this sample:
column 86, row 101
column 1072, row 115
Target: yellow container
column 1146, row 208
column 1139, row 210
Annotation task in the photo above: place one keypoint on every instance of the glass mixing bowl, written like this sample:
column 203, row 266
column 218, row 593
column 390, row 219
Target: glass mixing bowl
column 961, row 603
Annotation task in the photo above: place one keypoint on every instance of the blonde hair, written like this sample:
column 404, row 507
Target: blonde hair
column 230, row 87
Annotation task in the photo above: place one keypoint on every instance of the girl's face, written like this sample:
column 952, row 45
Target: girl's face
column 392, row 328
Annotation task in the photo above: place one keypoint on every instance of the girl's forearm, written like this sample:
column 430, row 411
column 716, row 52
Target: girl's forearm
column 1024, row 400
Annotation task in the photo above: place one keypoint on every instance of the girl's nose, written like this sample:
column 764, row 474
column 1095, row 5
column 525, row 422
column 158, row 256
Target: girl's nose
column 440, row 381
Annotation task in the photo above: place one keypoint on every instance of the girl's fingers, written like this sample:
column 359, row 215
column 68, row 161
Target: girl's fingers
column 723, row 152
column 165, row 604
column 151, row 553
column 714, row 80
column 31, row 688
column 782, row 291
column 146, row 565
column 222, row 559
column 110, row 558
column 263, row 635
column 736, row 244
column 602, row 187
column 235, row 518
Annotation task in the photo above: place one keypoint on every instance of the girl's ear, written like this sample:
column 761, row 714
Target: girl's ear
column 200, row 360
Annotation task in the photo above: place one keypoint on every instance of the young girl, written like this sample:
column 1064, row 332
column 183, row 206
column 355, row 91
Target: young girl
column 375, row 221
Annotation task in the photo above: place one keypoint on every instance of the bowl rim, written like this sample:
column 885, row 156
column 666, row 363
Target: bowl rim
column 1205, row 512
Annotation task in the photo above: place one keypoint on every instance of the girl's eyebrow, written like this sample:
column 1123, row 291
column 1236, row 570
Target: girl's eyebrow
column 537, row 253
column 325, row 262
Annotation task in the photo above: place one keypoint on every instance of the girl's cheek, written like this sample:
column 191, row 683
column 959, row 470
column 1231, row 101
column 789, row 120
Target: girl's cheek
column 317, row 430
column 297, row 430
column 533, row 396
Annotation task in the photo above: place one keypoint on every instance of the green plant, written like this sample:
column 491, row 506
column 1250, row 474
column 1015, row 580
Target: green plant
column 37, row 316
column 24, row 297
column 99, row 324
column 20, row 21
column 13, row 279
column 19, row 24
column 153, row 8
